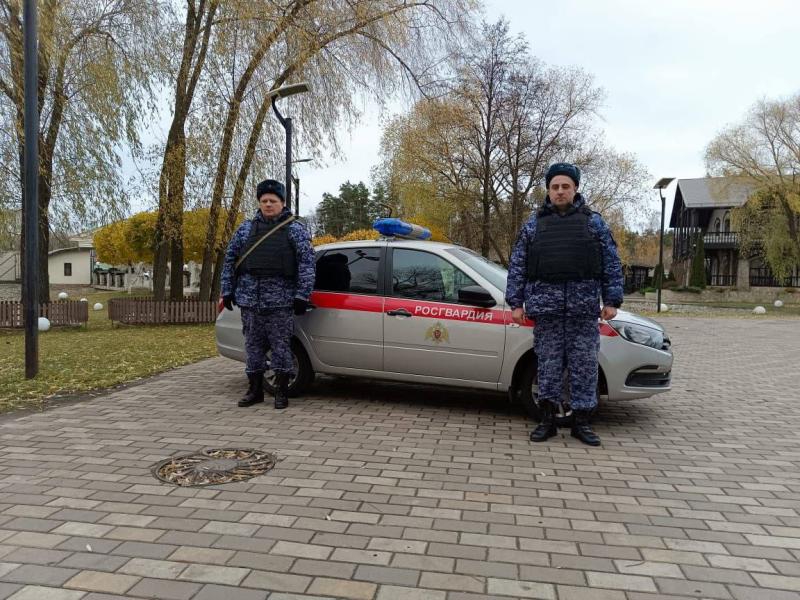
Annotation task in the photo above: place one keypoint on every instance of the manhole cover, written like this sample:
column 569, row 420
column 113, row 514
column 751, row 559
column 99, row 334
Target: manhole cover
column 214, row 466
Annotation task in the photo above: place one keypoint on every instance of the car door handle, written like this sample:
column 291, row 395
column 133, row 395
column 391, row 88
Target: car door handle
column 399, row 312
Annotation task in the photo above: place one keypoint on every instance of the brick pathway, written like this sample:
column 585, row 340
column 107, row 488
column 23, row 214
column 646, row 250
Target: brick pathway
column 390, row 492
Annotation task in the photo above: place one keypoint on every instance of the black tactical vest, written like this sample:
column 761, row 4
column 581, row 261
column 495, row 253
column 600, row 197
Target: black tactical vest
column 563, row 249
column 274, row 257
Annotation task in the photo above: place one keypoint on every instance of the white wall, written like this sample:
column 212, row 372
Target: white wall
column 81, row 267
column 10, row 269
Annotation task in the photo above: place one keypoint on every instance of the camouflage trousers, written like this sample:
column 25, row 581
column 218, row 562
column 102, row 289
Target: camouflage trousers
column 563, row 342
column 266, row 330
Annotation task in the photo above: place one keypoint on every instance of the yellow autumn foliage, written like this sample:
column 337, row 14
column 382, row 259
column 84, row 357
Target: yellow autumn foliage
column 323, row 239
column 360, row 234
column 131, row 240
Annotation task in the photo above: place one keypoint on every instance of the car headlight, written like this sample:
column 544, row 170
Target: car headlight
column 639, row 334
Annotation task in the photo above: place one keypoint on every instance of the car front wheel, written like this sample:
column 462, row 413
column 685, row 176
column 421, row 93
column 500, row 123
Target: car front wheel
column 529, row 395
column 304, row 373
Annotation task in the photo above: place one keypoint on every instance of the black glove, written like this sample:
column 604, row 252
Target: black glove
column 227, row 302
column 300, row 306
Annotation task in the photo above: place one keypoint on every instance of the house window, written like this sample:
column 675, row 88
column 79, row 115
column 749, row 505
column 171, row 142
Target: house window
column 67, row 269
column 716, row 226
column 728, row 222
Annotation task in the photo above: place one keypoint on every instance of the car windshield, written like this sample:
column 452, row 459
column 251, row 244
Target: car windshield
column 496, row 274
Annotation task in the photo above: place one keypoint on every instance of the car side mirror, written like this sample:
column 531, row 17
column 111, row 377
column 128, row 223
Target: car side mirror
column 475, row 295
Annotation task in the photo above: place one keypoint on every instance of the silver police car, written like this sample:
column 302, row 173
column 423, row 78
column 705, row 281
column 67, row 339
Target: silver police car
column 433, row 313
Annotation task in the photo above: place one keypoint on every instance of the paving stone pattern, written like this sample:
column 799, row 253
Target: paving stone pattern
column 386, row 491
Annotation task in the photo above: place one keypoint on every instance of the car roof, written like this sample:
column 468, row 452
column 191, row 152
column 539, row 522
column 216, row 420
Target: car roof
column 395, row 242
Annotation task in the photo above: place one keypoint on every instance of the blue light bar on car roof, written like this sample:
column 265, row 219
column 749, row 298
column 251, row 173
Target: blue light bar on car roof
column 397, row 228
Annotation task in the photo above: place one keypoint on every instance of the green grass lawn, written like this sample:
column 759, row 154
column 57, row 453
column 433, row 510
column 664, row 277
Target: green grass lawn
column 98, row 355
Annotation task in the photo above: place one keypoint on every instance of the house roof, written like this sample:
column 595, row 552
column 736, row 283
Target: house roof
column 71, row 248
column 710, row 192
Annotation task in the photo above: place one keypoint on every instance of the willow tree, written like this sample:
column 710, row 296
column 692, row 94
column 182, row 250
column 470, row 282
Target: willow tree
column 764, row 152
column 340, row 47
column 193, row 38
column 94, row 76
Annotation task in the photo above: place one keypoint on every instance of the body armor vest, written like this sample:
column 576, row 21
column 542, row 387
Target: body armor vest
column 563, row 249
column 274, row 257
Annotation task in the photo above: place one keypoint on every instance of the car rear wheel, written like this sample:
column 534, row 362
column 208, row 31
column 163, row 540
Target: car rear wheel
column 304, row 373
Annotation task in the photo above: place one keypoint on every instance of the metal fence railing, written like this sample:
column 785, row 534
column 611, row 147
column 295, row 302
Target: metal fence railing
column 763, row 277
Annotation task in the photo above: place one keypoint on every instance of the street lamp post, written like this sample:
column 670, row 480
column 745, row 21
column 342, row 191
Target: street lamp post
column 31, row 199
column 660, row 185
column 296, row 181
column 289, row 90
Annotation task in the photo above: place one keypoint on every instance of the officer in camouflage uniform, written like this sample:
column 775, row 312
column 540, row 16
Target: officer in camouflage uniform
column 564, row 261
column 273, row 283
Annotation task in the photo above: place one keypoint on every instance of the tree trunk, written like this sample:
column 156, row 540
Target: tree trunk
column 160, row 239
column 168, row 239
column 175, row 198
column 44, row 236
column 486, row 233
column 215, row 284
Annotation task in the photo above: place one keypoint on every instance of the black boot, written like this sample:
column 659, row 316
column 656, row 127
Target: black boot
column 255, row 393
column 281, row 390
column 547, row 425
column 582, row 430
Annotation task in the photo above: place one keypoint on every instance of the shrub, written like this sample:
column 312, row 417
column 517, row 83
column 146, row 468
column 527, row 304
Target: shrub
column 323, row 239
column 697, row 278
column 658, row 276
column 360, row 234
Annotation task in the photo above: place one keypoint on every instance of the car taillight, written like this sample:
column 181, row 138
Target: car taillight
column 220, row 305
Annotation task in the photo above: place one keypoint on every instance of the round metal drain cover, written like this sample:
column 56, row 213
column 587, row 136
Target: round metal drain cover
column 214, row 466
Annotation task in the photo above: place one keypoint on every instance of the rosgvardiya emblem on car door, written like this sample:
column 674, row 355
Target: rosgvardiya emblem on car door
column 437, row 333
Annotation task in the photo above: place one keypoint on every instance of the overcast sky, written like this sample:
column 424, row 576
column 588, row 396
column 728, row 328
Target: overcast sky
column 675, row 72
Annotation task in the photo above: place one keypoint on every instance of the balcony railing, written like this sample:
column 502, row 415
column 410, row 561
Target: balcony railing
column 719, row 239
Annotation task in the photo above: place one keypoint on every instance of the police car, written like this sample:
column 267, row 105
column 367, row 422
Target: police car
column 433, row 313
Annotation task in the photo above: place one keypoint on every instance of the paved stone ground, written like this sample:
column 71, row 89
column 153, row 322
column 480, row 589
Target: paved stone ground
column 389, row 492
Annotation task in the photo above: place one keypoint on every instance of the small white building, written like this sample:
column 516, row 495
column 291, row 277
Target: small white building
column 71, row 266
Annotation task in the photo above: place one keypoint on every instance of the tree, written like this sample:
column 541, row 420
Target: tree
column 353, row 209
column 331, row 216
column 339, row 47
column 658, row 277
column 94, row 78
column 112, row 247
column 199, row 19
column 697, row 277
column 764, row 152
column 131, row 240
column 473, row 161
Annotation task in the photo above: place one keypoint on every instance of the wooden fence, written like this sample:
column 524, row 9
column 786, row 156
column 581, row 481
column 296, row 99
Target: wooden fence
column 62, row 312
column 146, row 311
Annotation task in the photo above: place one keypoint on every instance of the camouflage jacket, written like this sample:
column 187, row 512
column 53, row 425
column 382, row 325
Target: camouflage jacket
column 269, row 292
column 571, row 298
